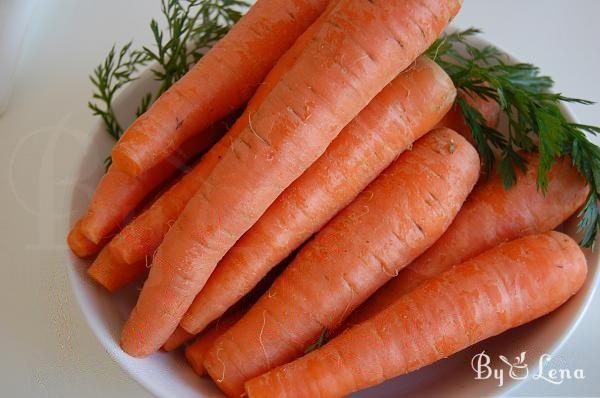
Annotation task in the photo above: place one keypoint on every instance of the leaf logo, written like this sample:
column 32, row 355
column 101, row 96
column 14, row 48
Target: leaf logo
column 518, row 370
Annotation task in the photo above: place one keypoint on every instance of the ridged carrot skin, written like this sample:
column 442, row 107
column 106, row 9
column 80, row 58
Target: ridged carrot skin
column 81, row 246
column 387, row 226
column 491, row 215
column 135, row 245
column 505, row 287
column 359, row 49
column 142, row 236
column 405, row 110
column 118, row 193
column 196, row 352
column 223, row 80
column 180, row 336
column 128, row 255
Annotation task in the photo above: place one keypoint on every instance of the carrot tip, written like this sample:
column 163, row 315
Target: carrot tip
column 101, row 279
column 80, row 245
column 124, row 162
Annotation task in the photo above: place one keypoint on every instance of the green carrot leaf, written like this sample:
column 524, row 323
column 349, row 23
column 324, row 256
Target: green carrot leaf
column 534, row 119
column 319, row 343
column 190, row 28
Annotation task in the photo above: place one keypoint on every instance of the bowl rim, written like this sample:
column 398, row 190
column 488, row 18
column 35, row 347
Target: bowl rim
column 106, row 340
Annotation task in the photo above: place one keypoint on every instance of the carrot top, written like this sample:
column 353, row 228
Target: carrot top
column 535, row 121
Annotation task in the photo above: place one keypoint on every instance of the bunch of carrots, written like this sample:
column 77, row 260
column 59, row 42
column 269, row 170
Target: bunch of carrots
column 348, row 165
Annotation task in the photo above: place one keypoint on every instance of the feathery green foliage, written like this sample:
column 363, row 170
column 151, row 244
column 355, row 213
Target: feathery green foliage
column 192, row 26
column 535, row 122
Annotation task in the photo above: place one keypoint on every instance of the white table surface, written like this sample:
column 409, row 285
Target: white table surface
column 46, row 349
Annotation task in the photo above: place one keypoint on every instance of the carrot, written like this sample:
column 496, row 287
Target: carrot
column 404, row 110
column 454, row 119
column 223, row 80
column 131, row 250
column 80, row 245
column 491, row 215
column 355, row 53
column 180, row 336
column 388, row 225
column 140, row 238
column 118, row 194
column 111, row 273
column 138, row 241
column 177, row 339
column 508, row 286
column 196, row 352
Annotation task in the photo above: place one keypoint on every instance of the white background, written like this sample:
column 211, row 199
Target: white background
column 46, row 349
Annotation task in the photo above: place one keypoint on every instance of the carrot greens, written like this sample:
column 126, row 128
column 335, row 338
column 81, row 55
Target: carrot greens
column 535, row 121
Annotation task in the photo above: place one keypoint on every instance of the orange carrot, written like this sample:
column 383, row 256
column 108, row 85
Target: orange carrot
column 389, row 224
column 196, row 352
column 137, row 242
column 80, row 245
column 404, row 110
column 111, row 273
column 223, row 80
column 180, row 336
column 355, row 53
column 490, row 216
column 118, row 194
column 140, row 238
column 454, row 119
column 177, row 339
column 131, row 250
column 503, row 288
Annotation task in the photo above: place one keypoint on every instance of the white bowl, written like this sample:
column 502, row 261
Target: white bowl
column 168, row 375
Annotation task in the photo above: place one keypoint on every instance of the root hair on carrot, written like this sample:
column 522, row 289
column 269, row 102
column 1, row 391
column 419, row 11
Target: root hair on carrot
column 220, row 379
column 264, row 140
column 262, row 344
